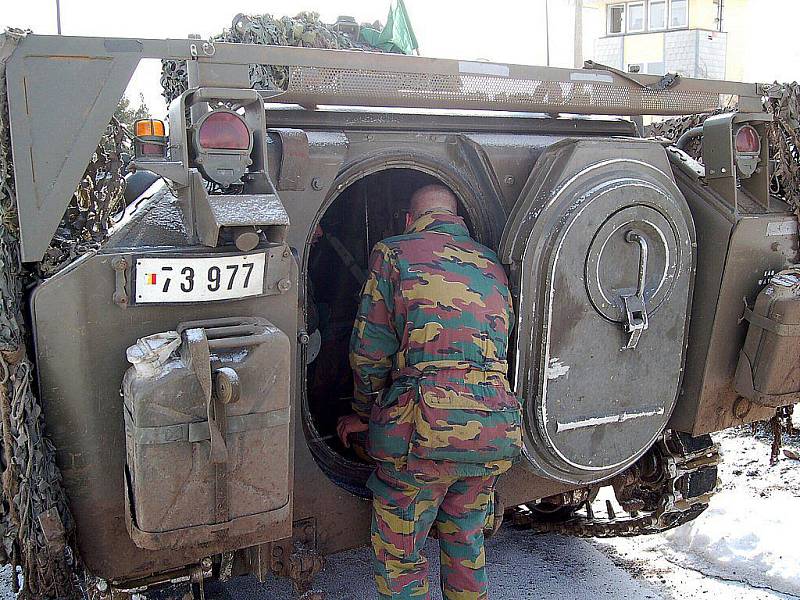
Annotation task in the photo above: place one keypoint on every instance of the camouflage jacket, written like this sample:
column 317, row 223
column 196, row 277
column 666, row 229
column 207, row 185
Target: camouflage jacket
column 428, row 353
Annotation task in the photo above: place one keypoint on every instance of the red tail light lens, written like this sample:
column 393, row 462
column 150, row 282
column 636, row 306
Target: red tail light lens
column 748, row 140
column 224, row 131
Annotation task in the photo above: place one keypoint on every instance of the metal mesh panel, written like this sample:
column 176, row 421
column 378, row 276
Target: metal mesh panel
column 333, row 85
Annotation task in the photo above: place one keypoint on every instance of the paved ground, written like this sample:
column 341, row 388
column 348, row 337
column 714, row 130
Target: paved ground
column 524, row 565
column 521, row 565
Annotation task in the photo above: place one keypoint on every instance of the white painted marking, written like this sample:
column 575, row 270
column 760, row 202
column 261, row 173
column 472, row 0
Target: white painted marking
column 481, row 68
column 594, row 421
column 781, row 228
column 556, row 369
column 582, row 76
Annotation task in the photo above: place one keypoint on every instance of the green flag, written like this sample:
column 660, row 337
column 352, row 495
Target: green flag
column 397, row 35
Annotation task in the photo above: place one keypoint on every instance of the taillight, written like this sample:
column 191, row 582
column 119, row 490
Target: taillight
column 747, row 143
column 223, row 130
column 223, row 142
column 748, row 140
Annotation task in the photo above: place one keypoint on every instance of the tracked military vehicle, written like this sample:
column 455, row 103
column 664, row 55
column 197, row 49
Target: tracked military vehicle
column 192, row 367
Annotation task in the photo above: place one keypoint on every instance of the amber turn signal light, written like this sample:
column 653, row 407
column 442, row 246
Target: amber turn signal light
column 150, row 139
column 149, row 127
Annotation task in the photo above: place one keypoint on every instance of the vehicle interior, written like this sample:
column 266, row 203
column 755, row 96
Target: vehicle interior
column 367, row 211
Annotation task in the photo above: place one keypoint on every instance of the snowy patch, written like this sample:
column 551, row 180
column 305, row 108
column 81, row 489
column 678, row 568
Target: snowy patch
column 746, row 538
column 751, row 531
column 556, row 369
column 745, row 545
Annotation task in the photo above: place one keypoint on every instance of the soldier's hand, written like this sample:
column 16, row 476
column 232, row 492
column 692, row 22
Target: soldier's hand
column 348, row 425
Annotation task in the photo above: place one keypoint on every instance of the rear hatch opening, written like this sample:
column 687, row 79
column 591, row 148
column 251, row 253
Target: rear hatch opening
column 367, row 211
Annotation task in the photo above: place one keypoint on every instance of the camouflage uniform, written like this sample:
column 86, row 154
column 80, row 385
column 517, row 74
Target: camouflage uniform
column 428, row 352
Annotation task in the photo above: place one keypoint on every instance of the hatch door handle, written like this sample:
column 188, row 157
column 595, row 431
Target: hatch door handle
column 635, row 304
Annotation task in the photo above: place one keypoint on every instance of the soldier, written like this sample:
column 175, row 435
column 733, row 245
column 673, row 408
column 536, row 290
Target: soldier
column 428, row 352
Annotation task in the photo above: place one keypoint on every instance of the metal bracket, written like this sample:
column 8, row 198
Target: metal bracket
column 297, row 558
column 121, row 266
column 293, row 172
column 635, row 305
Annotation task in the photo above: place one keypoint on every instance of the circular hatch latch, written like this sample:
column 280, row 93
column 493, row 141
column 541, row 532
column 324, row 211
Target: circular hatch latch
column 614, row 262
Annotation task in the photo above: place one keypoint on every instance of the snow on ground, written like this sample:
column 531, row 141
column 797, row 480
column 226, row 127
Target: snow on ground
column 750, row 534
column 5, row 584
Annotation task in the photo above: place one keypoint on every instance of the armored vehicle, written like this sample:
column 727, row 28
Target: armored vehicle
column 191, row 367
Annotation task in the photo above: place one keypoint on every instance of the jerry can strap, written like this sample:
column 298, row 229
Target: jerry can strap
column 200, row 361
column 767, row 324
column 199, row 431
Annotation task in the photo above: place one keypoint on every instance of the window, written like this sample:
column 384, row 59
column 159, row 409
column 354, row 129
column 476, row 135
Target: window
column 616, row 18
column 656, row 68
column 635, row 17
column 679, row 13
column 657, row 19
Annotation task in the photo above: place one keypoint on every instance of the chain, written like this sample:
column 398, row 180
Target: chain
column 779, row 425
column 783, row 102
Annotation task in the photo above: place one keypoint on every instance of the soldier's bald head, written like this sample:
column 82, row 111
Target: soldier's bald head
column 432, row 197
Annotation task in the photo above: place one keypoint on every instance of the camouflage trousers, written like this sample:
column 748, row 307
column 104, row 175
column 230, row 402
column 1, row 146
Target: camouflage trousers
column 405, row 508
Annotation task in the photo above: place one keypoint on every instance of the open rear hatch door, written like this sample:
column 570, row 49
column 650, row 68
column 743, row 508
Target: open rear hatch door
column 601, row 251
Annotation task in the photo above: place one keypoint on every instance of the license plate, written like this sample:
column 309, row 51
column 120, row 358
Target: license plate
column 170, row 280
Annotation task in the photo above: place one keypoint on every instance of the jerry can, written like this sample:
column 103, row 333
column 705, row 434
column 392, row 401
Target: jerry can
column 768, row 372
column 207, row 432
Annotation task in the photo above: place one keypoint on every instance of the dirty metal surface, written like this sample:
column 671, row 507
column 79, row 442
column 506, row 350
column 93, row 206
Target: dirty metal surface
column 80, row 337
column 736, row 255
column 589, row 237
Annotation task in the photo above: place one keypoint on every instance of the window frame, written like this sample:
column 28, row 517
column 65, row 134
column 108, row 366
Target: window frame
column 623, row 26
column 628, row 16
column 650, row 3
column 685, row 25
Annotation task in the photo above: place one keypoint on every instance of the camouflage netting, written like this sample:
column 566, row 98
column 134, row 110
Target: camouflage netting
column 36, row 526
column 93, row 208
column 303, row 30
column 31, row 480
column 782, row 101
